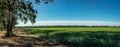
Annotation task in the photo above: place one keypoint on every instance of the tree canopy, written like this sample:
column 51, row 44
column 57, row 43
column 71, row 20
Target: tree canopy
column 11, row 10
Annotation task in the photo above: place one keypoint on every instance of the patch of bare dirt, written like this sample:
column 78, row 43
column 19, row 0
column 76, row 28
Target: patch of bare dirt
column 26, row 40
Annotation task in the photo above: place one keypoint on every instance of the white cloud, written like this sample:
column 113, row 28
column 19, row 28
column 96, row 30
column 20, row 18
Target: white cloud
column 70, row 22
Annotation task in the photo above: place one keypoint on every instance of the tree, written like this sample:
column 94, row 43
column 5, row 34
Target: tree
column 3, row 25
column 18, row 9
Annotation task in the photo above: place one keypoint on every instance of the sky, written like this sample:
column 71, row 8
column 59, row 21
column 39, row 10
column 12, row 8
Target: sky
column 106, row 12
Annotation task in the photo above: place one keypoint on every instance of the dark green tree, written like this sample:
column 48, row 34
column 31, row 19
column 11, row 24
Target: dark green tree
column 11, row 10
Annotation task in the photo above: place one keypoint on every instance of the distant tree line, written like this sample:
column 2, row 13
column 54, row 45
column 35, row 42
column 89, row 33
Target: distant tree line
column 66, row 26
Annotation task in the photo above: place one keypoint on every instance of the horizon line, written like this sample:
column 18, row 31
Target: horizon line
column 70, row 22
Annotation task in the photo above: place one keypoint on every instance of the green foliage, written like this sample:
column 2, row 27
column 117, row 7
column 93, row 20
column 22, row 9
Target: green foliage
column 11, row 10
column 80, row 38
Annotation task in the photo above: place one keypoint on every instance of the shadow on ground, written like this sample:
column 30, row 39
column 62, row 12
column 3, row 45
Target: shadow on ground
column 27, row 41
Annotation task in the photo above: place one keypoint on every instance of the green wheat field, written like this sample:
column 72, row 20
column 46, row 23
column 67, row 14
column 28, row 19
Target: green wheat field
column 85, row 37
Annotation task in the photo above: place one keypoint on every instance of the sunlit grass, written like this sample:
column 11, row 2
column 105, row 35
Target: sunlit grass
column 80, row 29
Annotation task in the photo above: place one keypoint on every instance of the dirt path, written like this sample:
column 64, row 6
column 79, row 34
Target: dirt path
column 26, row 40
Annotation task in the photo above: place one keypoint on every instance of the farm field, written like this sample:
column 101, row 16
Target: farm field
column 80, row 37
column 81, row 29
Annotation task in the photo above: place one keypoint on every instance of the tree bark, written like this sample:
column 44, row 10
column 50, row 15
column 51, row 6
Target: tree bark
column 9, row 31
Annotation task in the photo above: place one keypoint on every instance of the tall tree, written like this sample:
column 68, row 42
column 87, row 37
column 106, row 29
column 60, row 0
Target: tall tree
column 18, row 9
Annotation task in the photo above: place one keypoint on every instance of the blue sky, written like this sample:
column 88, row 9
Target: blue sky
column 100, row 11
column 95, row 10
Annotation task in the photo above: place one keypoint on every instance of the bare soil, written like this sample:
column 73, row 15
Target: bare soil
column 26, row 40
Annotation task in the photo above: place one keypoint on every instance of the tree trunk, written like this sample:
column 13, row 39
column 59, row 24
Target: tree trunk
column 1, row 28
column 9, row 31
